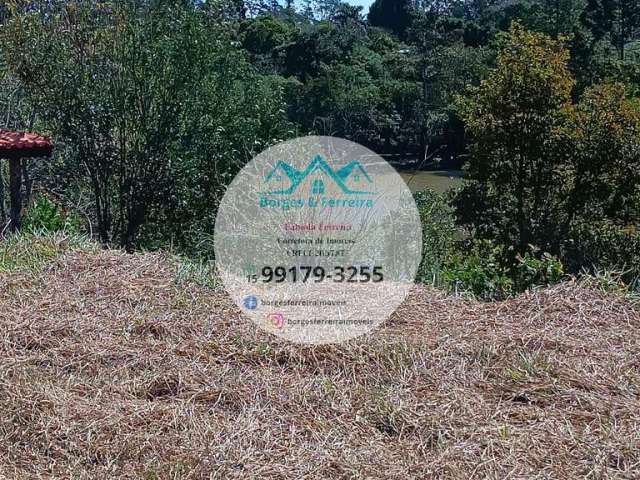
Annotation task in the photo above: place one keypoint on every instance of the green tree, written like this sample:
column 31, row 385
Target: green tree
column 348, row 16
column 512, row 119
column 553, row 17
column 542, row 169
column 393, row 15
column 265, row 35
column 604, row 139
column 617, row 19
column 156, row 107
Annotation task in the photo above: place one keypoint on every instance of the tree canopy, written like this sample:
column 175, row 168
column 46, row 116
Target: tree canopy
column 155, row 106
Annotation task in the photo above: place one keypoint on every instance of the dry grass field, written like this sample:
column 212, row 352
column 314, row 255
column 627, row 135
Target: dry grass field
column 110, row 368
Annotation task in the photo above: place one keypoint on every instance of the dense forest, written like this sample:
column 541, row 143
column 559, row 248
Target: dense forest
column 155, row 105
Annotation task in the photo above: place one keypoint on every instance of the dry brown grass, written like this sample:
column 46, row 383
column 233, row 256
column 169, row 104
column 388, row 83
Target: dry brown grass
column 109, row 369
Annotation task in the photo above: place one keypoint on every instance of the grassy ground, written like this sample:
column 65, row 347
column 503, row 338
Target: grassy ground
column 110, row 368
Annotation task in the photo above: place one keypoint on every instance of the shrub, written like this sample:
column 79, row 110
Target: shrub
column 46, row 216
column 438, row 234
column 536, row 268
column 478, row 270
column 482, row 268
column 489, row 271
column 604, row 246
column 515, row 172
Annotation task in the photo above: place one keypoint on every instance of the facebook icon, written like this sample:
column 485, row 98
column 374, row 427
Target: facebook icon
column 250, row 302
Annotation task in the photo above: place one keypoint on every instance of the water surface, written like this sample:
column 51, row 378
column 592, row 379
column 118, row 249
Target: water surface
column 438, row 180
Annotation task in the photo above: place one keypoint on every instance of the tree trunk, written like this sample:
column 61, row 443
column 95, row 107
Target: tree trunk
column 622, row 34
column 135, row 219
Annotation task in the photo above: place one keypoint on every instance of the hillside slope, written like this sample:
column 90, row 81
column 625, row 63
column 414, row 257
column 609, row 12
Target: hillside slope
column 111, row 369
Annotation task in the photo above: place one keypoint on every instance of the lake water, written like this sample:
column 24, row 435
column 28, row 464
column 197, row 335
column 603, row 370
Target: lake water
column 438, row 180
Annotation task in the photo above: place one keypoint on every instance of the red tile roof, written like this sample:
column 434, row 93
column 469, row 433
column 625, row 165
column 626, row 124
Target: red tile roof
column 24, row 144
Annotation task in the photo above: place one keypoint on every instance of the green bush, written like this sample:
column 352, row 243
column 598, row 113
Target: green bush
column 46, row 216
column 539, row 161
column 604, row 246
column 480, row 267
column 536, row 268
column 478, row 270
column 439, row 233
column 489, row 272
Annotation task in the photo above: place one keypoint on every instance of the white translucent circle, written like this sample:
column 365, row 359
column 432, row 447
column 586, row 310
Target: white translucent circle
column 318, row 240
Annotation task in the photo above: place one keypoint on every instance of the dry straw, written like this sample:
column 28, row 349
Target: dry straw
column 111, row 369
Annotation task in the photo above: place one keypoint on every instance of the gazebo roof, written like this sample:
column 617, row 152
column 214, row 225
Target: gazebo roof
column 24, row 144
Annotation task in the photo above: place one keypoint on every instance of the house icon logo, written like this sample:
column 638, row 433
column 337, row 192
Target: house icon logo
column 352, row 179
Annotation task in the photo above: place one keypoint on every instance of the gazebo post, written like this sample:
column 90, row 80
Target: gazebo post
column 15, row 146
column 15, row 192
column 3, row 213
